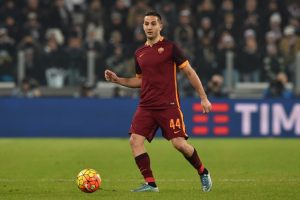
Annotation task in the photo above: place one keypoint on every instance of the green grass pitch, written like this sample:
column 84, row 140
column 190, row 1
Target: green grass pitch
column 241, row 169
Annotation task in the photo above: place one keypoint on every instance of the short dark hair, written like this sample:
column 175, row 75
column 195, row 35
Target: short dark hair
column 153, row 13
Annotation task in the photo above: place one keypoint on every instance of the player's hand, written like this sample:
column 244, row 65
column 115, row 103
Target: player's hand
column 111, row 76
column 206, row 105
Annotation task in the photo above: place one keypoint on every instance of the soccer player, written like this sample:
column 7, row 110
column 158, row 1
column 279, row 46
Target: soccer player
column 156, row 63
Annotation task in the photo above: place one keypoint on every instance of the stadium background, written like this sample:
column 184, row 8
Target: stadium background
column 57, row 114
column 242, row 50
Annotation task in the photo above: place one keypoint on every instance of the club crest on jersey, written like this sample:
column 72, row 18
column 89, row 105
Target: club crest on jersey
column 160, row 50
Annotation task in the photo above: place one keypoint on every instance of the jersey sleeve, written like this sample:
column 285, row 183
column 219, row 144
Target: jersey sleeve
column 138, row 70
column 179, row 58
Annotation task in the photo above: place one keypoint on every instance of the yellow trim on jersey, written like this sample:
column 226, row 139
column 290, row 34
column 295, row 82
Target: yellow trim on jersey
column 175, row 83
column 182, row 121
column 184, row 64
column 160, row 39
column 177, row 100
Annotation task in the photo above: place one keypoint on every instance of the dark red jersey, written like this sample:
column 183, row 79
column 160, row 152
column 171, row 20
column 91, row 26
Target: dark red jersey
column 157, row 66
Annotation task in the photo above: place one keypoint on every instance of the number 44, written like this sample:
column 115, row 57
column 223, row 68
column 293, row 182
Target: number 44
column 175, row 123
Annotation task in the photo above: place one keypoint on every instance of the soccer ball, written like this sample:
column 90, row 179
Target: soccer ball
column 88, row 180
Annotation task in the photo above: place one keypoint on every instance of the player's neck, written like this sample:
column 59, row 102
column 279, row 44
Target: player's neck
column 153, row 41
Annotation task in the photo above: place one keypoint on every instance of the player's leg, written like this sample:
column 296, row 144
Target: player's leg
column 191, row 155
column 141, row 157
column 172, row 123
column 137, row 144
column 142, row 160
column 143, row 127
column 189, row 152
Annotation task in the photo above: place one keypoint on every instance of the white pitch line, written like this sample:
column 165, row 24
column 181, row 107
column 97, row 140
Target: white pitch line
column 158, row 180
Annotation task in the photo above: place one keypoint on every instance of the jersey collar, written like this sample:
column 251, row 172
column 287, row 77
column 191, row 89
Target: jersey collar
column 160, row 39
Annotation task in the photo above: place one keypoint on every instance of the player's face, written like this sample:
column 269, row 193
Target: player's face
column 152, row 27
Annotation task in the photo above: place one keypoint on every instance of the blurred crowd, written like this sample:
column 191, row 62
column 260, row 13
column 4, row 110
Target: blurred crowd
column 55, row 36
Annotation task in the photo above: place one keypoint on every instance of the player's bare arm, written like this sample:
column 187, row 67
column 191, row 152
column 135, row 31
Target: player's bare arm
column 127, row 82
column 196, row 83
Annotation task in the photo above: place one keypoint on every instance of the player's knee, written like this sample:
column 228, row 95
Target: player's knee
column 132, row 141
column 135, row 141
column 180, row 145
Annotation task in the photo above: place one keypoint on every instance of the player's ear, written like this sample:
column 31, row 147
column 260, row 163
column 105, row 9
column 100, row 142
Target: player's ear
column 160, row 25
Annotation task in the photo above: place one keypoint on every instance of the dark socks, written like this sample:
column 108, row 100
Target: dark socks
column 204, row 171
column 153, row 184
column 195, row 161
column 143, row 163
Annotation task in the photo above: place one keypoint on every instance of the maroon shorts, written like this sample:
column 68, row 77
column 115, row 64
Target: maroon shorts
column 146, row 122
